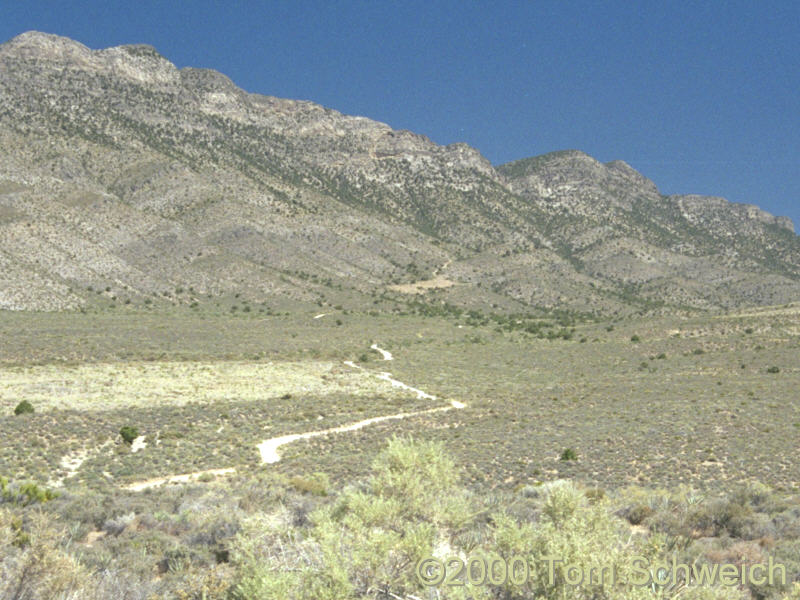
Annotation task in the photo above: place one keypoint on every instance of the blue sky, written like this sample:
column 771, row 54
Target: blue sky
column 700, row 97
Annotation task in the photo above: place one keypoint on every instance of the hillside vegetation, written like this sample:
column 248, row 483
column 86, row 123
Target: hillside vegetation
column 125, row 179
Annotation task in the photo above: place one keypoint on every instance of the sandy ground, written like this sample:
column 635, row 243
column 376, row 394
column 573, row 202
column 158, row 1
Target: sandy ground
column 138, row 444
column 183, row 478
column 70, row 463
column 73, row 461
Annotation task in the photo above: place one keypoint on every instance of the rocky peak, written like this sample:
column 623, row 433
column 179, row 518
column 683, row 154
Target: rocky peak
column 624, row 170
column 207, row 80
column 573, row 178
column 573, row 168
column 472, row 158
column 38, row 45
column 140, row 62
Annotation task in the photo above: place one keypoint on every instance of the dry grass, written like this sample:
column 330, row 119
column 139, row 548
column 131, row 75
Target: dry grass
column 116, row 385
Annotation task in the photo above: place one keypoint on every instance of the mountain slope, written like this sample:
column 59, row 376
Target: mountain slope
column 120, row 171
column 691, row 249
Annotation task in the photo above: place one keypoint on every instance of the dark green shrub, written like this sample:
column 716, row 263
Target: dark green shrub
column 638, row 513
column 23, row 408
column 635, row 338
column 698, row 351
column 30, row 493
column 569, row 454
column 773, row 370
column 25, row 494
column 129, row 433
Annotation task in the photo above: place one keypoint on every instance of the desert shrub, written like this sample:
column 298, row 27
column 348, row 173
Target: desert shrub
column 719, row 516
column 569, row 454
column 638, row 513
column 595, row 494
column 207, row 584
column 316, row 484
column 635, row 339
column 30, row 493
column 368, row 540
column 773, row 370
column 794, row 594
column 418, row 473
column 129, row 433
column 586, row 535
column 24, row 494
column 117, row 525
column 32, row 563
column 23, row 408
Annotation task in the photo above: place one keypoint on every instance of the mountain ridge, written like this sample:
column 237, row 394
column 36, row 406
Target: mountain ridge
column 170, row 178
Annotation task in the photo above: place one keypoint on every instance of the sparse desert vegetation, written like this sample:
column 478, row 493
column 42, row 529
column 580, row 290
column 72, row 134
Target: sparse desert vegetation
column 561, row 443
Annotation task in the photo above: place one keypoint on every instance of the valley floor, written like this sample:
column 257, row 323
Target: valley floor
column 641, row 408
column 704, row 401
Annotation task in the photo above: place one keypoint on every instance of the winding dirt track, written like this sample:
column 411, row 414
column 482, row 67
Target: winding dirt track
column 384, row 353
column 269, row 448
column 183, row 478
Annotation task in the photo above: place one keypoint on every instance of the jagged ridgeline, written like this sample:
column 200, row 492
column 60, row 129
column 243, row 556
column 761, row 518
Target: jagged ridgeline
column 121, row 174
